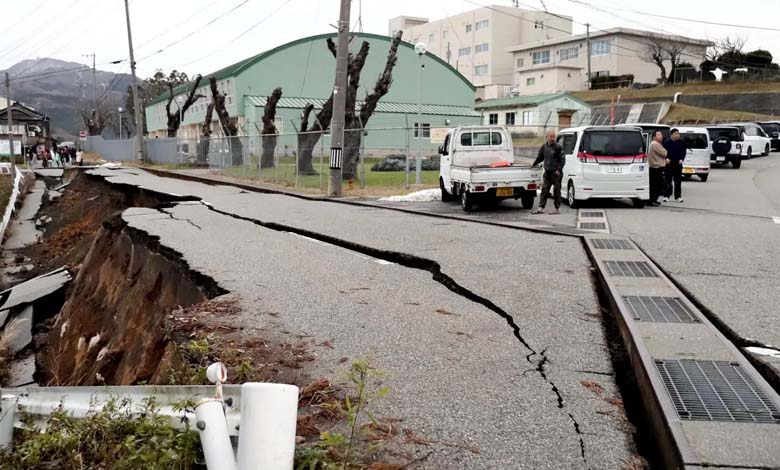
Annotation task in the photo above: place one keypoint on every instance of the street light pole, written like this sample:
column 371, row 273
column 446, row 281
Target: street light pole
column 420, row 49
column 121, row 110
column 339, row 101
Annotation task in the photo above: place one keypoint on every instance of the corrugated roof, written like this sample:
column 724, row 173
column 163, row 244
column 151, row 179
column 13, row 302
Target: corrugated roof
column 382, row 107
column 238, row 67
column 524, row 101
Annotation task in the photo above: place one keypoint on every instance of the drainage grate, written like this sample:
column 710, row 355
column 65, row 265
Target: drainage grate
column 630, row 269
column 715, row 391
column 660, row 309
column 611, row 244
column 592, row 214
column 593, row 225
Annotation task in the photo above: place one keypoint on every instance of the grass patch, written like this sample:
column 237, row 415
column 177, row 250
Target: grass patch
column 704, row 88
column 682, row 113
column 6, row 188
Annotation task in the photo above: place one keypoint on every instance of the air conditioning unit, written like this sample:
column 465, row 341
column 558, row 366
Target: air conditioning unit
column 507, row 90
column 514, row 91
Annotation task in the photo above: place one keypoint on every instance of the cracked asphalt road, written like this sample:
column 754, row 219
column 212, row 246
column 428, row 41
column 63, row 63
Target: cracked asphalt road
column 463, row 378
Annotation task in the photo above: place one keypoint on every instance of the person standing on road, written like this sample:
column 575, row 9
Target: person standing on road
column 675, row 156
column 551, row 153
column 656, row 158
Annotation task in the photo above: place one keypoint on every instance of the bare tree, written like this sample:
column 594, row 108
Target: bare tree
column 659, row 51
column 205, row 132
column 96, row 119
column 174, row 119
column 229, row 127
column 354, row 123
column 269, row 129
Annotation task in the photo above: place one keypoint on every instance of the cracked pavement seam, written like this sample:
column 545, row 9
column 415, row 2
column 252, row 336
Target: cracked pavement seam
column 416, row 262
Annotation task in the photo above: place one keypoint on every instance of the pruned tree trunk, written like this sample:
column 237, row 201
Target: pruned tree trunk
column 307, row 139
column 205, row 132
column 269, row 129
column 229, row 127
column 174, row 119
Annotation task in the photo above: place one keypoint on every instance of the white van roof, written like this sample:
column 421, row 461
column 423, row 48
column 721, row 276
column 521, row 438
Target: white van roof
column 701, row 130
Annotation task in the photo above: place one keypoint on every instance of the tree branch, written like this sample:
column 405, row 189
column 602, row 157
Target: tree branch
column 383, row 82
column 269, row 112
column 305, row 117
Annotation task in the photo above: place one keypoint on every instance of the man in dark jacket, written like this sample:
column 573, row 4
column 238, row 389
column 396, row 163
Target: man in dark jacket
column 675, row 155
column 551, row 153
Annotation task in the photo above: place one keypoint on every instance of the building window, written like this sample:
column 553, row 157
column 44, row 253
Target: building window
column 426, row 130
column 464, row 51
column 430, row 38
column 601, row 73
column 541, row 57
column 569, row 53
column 530, row 81
column 481, row 25
column 520, row 63
column 493, row 118
column 510, row 119
column 468, row 28
column 481, row 48
column 601, row 47
column 538, row 24
column 528, row 118
column 480, row 70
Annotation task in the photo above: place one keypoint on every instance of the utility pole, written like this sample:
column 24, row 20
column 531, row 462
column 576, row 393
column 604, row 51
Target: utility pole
column 94, row 82
column 339, row 101
column 139, row 123
column 587, row 40
column 10, row 123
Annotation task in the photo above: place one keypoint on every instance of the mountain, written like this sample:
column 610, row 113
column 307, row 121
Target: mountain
column 60, row 89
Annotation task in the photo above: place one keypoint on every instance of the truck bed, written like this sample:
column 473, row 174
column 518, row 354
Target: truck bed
column 517, row 174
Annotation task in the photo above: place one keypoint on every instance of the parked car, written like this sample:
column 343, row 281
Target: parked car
column 697, row 152
column 725, row 145
column 648, row 129
column 477, row 165
column 605, row 162
column 756, row 140
column 772, row 129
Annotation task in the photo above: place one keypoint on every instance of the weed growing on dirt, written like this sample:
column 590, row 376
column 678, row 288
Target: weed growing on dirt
column 347, row 450
column 118, row 436
column 5, row 368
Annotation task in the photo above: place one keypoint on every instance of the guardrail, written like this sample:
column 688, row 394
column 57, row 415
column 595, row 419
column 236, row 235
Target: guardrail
column 9, row 209
column 261, row 415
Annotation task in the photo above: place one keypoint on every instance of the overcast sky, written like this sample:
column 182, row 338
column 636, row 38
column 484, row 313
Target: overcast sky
column 69, row 29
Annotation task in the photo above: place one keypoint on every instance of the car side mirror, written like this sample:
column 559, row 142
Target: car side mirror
column 441, row 150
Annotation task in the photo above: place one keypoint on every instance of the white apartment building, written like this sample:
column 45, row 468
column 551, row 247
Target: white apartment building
column 477, row 42
column 561, row 64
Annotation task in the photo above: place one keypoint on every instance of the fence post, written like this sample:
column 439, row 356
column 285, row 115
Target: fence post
column 267, row 439
column 362, row 156
column 406, row 151
column 7, row 416
column 214, row 437
column 322, row 159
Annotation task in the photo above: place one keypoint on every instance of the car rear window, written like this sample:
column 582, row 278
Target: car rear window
column 716, row 133
column 610, row 142
column 771, row 127
column 474, row 139
column 695, row 141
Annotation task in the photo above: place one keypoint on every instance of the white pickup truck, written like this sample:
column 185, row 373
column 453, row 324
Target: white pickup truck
column 477, row 165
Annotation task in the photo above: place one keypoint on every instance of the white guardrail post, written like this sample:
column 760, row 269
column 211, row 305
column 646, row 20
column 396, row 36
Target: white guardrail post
column 265, row 426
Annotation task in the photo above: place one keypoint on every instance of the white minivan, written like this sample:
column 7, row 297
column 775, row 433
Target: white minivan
column 605, row 162
column 697, row 152
column 756, row 142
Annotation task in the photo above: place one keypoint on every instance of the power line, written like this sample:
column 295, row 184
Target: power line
column 13, row 47
column 209, row 23
column 169, row 29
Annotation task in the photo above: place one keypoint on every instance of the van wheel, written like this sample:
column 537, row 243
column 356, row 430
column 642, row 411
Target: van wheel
column 766, row 150
column 704, row 178
column 570, row 196
column 528, row 200
column 466, row 200
column 749, row 153
column 639, row 203
column 445, row 196
column 736, row 163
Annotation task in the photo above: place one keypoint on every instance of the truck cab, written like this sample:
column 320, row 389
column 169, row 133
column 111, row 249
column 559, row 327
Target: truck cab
column 477, row 165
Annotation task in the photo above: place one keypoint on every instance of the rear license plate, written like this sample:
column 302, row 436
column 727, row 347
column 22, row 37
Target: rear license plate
column 614, row 169
column 688, row 170
column 720, row 159
column 505, row 192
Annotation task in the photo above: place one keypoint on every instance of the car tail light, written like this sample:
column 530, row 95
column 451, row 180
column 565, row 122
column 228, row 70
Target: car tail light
column 532, row 187
column 641, row 158
column 586, row 157
column 479, row 188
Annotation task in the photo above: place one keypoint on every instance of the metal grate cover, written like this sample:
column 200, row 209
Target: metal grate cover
column 630, row 269
column 593, row 225
column 715, row 391
column 592, row 214
column 660, row 309
column 611, row 244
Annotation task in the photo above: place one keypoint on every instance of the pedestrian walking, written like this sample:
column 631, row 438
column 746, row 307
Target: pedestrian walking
column 56, row 161
column 656, row 157
column 551, row 153
column 675, row 156
column 79, row 157
column 72, row 154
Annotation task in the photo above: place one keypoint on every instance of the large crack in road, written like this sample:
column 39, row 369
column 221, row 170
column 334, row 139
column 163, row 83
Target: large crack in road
column 433, row 267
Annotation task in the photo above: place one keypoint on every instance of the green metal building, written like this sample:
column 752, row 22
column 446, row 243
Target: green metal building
column 305, row 71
